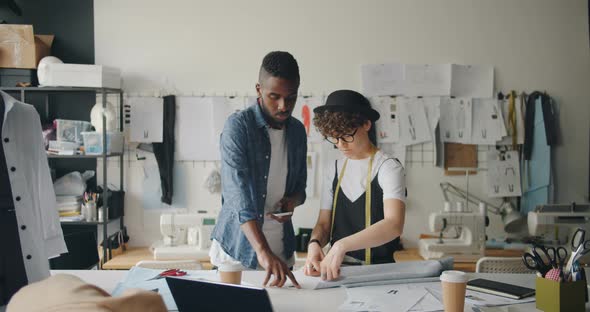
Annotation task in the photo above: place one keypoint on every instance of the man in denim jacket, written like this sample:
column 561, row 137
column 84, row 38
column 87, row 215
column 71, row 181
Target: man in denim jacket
column 263, row 170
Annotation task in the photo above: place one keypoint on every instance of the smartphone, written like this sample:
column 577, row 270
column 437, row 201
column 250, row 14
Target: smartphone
column 282, row 214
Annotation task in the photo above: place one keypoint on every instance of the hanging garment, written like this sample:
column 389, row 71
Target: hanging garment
column 164, row 151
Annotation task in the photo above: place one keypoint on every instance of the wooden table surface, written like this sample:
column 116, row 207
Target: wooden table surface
column 135, row 254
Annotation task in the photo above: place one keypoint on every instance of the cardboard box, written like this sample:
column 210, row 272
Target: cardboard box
column 553, row 296
column 79, row 75
column 20, row 48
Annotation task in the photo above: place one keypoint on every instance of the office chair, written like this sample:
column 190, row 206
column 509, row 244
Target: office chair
column 170, row 264
column 501, row 265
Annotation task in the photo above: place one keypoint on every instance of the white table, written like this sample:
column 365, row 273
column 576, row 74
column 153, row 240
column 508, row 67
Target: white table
column 306, row 299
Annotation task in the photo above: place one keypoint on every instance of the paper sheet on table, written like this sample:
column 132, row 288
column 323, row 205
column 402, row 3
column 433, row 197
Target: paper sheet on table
column 382, row 79
column 472, row 81
column 455, row 120
column 382, row 298
column 414, row 128
column 427, row 79
column 388, row 124
column 503, row 175
column 304, row 112
column 356, row 275
column 488, row 123
column 138, row 278
column 146, row 119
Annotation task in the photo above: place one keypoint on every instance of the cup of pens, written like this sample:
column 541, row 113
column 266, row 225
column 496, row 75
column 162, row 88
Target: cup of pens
column 89, row 209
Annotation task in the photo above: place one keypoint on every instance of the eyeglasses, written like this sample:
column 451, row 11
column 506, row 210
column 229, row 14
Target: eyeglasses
column 348, row 138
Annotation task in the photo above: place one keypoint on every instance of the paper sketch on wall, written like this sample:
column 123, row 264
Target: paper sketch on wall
column 382, row 79
column 388, row 124
column 146, row 119
column 488, row 123
column 519, row 118
column 472, row 81
column 455, row 120
column 311, row 170
column 414, row 128
column 503, row 176
column 427, row 79
column 304, row 112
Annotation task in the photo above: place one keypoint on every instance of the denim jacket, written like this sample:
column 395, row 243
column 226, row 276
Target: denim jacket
column 245, row 160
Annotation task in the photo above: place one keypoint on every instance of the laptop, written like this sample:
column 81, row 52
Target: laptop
column 198, row 295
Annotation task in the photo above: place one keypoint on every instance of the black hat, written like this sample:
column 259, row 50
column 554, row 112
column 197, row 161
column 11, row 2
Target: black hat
column 348, row 101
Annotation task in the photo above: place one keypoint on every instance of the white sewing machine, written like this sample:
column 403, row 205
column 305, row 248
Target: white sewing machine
column 186, row 236
column 554, row 223
column 469, row 243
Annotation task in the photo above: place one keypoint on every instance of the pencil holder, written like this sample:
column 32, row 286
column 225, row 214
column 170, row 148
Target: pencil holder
column 553, row 296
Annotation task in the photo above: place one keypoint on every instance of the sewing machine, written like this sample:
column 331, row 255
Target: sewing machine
column 185, row 236
column 554, row 223
column 469, row 243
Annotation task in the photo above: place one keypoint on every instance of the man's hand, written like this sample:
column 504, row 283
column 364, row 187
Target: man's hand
column 286, row 204
column 274, row 266
column 315, row 255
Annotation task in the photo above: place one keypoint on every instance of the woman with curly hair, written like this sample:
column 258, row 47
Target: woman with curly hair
column 363, row 199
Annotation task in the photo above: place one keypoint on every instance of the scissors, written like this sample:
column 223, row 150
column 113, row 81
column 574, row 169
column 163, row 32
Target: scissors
column 534, row 261
column 171, row 272
column 580, row 247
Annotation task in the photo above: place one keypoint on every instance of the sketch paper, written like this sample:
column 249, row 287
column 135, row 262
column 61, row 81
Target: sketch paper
column 455, row 120
column 488, row 124
column 413, row 122
column 503, row 175
column 311, row 170
column 146, row 120
column 427, row 79
column 382, row 79
column 304, row 112
column 388, row 124
column 472, row 81
column 194, row 129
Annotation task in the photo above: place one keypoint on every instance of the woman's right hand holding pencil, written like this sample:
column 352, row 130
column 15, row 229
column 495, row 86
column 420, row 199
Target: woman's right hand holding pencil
column 315, row 255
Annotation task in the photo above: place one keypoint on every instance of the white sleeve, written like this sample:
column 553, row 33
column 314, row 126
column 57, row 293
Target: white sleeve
column 392, row 179
column 327, row 198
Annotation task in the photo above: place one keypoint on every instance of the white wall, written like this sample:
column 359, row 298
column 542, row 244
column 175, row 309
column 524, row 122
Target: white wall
column 215, row 47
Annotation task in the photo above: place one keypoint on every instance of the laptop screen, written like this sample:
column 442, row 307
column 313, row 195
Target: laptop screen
column 198, row 295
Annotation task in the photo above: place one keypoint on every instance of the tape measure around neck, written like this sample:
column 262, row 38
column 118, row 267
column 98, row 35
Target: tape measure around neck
column 367, row 202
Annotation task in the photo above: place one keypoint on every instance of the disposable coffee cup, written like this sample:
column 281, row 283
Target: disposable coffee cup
column 453, row 289
column 230, row 274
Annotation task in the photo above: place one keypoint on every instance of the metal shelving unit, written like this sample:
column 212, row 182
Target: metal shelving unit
column 103, row 92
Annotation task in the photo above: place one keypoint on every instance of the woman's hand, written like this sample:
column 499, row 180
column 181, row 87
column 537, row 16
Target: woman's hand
column 330, row 266
column 315, row 255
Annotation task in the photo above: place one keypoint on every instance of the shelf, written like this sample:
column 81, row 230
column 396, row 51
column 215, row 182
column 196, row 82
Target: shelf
column 60, row 89
column 87, row 222
column 84, row 156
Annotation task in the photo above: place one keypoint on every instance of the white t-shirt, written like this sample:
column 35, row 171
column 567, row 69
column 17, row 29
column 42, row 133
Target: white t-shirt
column 391, row 179
column 275, row 190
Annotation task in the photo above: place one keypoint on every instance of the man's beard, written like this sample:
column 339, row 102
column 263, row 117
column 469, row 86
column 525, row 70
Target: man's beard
column 270, row 119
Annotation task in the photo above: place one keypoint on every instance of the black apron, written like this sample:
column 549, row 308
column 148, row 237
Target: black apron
column 350, row 219
column 13, row 275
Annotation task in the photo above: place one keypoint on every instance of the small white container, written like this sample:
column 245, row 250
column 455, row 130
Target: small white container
column 81, row 75
column 93, row 142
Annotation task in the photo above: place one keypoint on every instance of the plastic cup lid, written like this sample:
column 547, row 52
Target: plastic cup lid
column 453, row 277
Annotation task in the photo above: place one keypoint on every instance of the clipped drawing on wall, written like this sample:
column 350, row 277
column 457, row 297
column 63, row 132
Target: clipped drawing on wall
column 382, row 79
column 455, row 120
column 146, row 119
column 472, row 81
column 311, row 169
column 503, row 175
column 488, row 123
column 427, row 79
column 388, row 124
column 414, row 128
column 304, row 112
column 195, row 139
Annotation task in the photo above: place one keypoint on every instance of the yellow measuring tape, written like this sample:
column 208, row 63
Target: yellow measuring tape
column 512, row 118
column 367, row 202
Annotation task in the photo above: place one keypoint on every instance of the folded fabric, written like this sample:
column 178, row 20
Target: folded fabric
column 369, row 274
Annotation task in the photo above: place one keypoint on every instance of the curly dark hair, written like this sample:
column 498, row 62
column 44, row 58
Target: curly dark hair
column 279, row 64
column 338, row 123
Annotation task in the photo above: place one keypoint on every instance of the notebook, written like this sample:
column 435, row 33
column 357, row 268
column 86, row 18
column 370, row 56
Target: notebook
column 198, row 295
column 500, row 289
